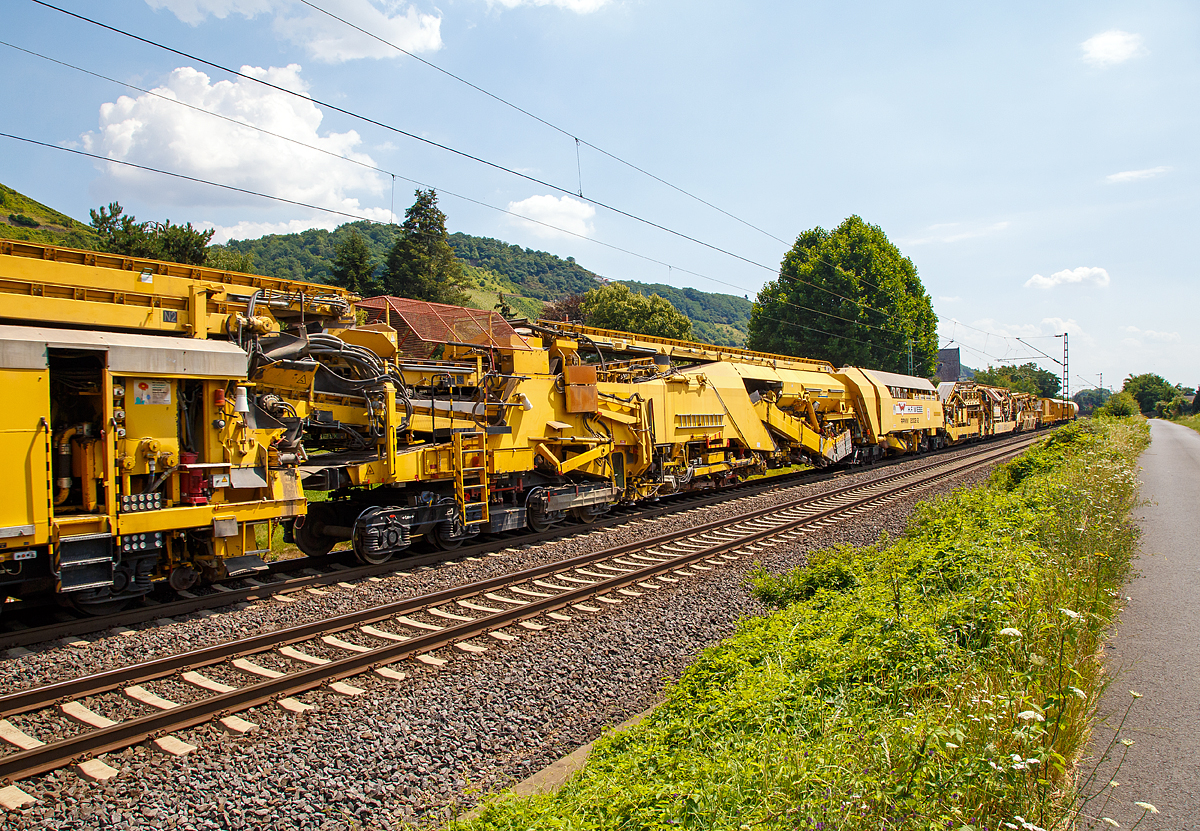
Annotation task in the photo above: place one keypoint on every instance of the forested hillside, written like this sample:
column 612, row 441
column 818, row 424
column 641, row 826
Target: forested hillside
column 716, row 318
column 541, row 275
column 526, row 277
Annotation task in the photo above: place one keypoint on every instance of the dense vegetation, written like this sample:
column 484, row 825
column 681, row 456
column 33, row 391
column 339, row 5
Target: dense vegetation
column 850, row 297
column 1024, row 378
column 721, row 319
column 943, row 680
column 616, row 307
column 539, row 274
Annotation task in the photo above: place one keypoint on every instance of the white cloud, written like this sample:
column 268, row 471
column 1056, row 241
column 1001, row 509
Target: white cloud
column 1083, row 275
column 254, row 230
column 580, row 6
column 564, row 213
column 1150, row 334
column 158, row 133
column 193, row 12
column 1111, row 47
column 327, row 39
column 1135, row 175
column 954, row 232
column 334, row 42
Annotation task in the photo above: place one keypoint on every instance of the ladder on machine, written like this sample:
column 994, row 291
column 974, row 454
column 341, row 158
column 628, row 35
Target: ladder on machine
column 470, row 477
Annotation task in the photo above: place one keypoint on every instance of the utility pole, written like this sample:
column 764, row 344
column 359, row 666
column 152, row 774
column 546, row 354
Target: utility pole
column 1066, row 372
column 910, row 364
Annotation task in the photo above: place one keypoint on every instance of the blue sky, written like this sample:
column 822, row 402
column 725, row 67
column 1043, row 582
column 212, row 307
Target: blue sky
column 1036, row 161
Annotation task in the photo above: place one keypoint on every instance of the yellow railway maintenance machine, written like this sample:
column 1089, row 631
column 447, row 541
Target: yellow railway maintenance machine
column 487, row 428
column 132, row 447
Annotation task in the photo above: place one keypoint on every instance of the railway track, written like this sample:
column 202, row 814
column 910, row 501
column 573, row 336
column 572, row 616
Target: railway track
column 284, row 664
column 19, row 629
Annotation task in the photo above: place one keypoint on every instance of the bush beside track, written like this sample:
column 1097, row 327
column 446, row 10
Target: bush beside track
column 946, row 679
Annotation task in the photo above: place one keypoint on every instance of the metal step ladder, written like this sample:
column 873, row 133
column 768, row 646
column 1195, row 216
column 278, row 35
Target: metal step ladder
column 470, row 477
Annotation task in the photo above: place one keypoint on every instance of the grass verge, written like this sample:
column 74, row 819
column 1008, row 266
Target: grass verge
column 1192, row 421
column 942, row 680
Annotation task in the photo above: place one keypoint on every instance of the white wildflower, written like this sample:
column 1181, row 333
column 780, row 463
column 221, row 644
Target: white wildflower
column 1146, row 806
column 1011, row 632
column 1111, row 822
column 1072, row 615
column 1038, row 661
column 951, row 746
column 1031, row 715
column 1078, row 693
column 1135, row 694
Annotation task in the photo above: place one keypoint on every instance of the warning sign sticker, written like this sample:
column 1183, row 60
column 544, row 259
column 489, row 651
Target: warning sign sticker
column 152, row 392
column 904, row 408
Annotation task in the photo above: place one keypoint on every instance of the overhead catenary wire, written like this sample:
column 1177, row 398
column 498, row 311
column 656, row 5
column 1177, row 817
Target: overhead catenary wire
column 454, row 151
column 182, row 176
column 480, row 160
column 578, row 141
column 394, row 176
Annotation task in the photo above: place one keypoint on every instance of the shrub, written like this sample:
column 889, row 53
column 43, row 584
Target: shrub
column 21, row 219
column 1120, row 405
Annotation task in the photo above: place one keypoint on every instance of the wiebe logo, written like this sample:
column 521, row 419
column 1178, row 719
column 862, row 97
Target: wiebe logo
column 904, row 408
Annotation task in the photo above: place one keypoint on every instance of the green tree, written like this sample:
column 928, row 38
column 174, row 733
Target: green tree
column 421, row 264
column 850, row 297
column 1090, row 400
column 353, row 266
column 1024, row 378
column 230, row 259
column 614, row 306
column 1148, row 389
column 506, row 311
column 1121, row 404
column 122, row 234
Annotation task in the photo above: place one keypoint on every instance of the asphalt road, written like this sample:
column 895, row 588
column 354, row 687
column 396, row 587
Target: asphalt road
column 1155, row 651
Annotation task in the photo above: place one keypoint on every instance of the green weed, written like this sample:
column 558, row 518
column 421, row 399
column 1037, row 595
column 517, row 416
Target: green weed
column 945, row 679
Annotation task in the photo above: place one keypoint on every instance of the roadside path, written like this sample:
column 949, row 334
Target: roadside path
column 1155, row 650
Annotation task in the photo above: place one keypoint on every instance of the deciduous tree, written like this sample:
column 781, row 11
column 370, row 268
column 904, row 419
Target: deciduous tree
column 850, row 297
column 1024, row 378
column 1148, row 389
column 614, row 306
column 569, row 309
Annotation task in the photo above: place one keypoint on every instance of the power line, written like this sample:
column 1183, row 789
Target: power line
column 394, row 176
column 454, row 151
column 183, row 176
column 578, row 141
column 407, row 134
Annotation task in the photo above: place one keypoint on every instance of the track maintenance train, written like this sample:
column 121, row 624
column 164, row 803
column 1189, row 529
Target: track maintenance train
column 163, row 418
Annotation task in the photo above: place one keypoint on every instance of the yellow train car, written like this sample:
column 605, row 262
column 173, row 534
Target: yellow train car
column 133, row 447
column 896, row 413
column 486, row 428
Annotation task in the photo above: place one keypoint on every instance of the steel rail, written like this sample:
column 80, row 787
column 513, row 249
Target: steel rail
column 227, row 596
column 36, row 698
column 54, row 755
